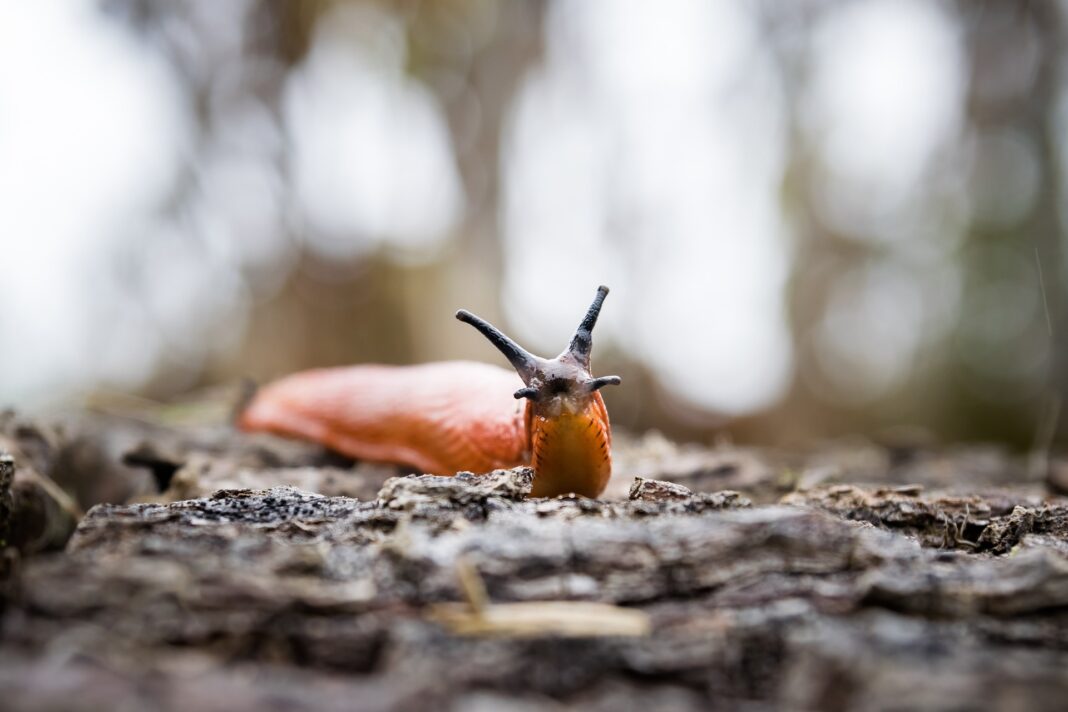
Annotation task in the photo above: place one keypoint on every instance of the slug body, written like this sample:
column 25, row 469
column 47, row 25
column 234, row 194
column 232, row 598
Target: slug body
column 447, row 417
column 440, row 418
column 571, row 451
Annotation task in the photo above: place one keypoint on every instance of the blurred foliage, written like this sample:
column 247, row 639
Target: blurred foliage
column 929, row 296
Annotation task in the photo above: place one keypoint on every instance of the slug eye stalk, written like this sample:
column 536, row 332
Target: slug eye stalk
column 568, row 373
column 598, row 383
column 522, row 361
column 582, row 342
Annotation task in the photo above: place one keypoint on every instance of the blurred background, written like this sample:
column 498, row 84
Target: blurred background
column 816, row 217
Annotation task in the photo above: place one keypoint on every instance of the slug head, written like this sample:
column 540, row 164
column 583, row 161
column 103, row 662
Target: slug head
column 558, row 384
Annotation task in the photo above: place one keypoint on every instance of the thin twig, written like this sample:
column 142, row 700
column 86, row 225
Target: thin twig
column 1042, row 286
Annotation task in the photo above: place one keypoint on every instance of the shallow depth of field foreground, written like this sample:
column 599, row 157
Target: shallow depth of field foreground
column 847, row 576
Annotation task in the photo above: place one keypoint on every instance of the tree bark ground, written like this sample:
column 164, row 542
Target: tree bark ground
column 847, row 576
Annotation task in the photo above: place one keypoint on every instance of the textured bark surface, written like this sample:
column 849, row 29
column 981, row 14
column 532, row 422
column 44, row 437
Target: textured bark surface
column 850, row 576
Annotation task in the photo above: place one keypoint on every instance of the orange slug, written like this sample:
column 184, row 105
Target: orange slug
column 443, row 418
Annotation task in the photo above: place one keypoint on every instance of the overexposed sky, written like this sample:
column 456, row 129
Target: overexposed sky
column 92, row 130
column 646, row 151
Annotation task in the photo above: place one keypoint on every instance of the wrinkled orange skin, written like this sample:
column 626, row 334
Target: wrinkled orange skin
column 440, row 418
column 571, row 452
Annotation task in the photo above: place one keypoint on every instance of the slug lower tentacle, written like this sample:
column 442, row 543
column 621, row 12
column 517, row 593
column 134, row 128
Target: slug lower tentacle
column 442, row 418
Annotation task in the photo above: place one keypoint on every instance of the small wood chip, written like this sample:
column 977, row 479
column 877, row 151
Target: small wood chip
column 568, row 619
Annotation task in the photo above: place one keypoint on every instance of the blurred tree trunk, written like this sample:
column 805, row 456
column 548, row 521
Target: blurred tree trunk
column 473, row 56
column 1007, row 92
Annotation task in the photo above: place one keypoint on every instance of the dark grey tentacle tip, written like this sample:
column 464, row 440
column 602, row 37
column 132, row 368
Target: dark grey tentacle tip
column 594, row 310
column 526, row 393
column 582, row 341
column 590, row 320
column 522, row 361
column 598, row 383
